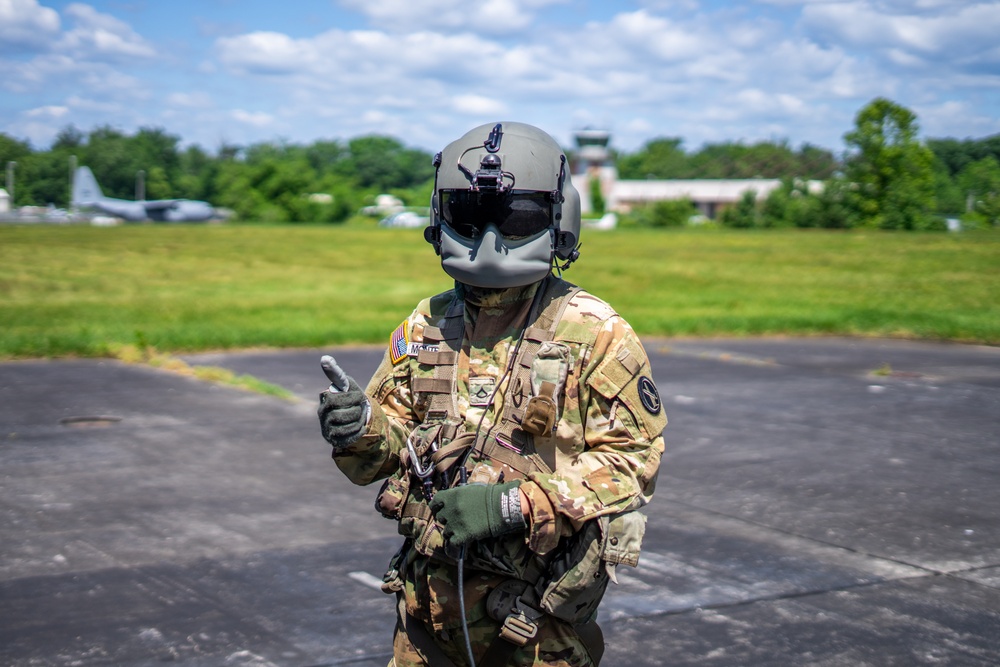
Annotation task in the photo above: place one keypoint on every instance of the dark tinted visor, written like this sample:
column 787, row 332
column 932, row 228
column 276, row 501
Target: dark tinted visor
column 518, row 214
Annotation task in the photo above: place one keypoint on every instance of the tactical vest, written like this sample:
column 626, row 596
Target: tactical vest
column 437, row 455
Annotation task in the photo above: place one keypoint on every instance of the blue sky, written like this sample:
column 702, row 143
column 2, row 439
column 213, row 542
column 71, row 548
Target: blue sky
column 424, row 71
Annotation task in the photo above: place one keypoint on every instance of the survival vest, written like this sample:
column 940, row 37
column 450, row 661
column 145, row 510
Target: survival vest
column 567, row 583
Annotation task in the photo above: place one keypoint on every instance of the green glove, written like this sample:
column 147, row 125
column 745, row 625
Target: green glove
column 476, row 511
column 343, row 415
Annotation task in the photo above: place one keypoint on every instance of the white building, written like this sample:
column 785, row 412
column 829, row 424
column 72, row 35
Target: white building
column 4, row 201
column 709, row 196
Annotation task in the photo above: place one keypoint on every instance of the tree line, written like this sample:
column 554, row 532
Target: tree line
column 268, row 182
column 887, row 178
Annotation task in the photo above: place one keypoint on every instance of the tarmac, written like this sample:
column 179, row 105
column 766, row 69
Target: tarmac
column 821, row 502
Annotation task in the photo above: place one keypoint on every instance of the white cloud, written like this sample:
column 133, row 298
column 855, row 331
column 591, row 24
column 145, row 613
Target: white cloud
column 421, row 70
column 26, row 24
column 102, row 36
column 104, row 107
column 661, row 38
column 39, row 133
column 938, row 120
column 265, row 53
column 906, row 36
column 28, row 76
column 254, row 118
column 636, row 64
column 51, row 111
column 193, row 100
column 478, row 105
column 359, row 56
column 493, row 17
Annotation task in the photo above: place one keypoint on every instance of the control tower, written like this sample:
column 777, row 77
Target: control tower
column 592, row 149
column 593, row 161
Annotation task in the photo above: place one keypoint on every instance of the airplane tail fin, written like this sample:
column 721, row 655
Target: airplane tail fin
column 85, row 187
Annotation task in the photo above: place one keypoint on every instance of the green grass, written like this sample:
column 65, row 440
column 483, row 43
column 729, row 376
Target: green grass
column 87, row 291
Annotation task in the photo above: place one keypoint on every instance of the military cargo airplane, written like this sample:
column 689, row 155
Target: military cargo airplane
column 87, row 194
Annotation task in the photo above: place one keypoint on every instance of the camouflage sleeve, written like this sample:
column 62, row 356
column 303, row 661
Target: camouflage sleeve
column 615, row 467
column 376, row 454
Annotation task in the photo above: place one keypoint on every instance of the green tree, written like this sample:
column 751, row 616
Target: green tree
column 980, row 181
column 382, row 163
column 197, row 174
column 833, row 210
column 957, row 154
column 665, row 158
column 665, row 213
column 816, row 163
column 742, row 214
column 157, row 184
column 659, row 158
column 774, row 210
column 893, row 171
column 597, row 203
column 43, row 178
column 323, row 155
column 12, row 150
column 948, row 197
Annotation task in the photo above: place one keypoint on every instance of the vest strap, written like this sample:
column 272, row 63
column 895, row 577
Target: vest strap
column 543, row 320
column 433, row 385
column 437, row 358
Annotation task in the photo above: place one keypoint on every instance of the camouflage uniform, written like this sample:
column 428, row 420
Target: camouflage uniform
column 605, row 452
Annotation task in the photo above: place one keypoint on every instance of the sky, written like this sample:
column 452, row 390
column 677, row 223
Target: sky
column 216, row 72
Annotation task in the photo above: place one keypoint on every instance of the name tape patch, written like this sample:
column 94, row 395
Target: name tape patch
column 415, row 348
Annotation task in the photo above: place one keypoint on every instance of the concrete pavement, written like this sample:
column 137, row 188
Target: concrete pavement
column 822, row 502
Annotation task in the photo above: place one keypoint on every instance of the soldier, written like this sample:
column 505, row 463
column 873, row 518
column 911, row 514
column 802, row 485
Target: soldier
column 513, row 419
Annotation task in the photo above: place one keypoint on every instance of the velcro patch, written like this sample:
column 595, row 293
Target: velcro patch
column 399, row 343
column 481, row 390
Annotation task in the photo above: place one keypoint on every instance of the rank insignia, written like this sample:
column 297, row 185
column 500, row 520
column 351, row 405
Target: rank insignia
column 481, row 390
column 399, row 343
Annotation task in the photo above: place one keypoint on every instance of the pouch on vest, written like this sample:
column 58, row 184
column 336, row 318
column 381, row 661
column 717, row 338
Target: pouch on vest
column 549, row 370
column 394, row 578
column 579, row 576
column 392, row 496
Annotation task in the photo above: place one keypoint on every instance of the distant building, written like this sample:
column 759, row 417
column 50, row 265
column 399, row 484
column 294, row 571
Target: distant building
column 710, row 196
column 4, row 201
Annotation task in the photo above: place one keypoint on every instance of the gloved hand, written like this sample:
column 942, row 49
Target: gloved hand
column 476, row 511
column 343, row 415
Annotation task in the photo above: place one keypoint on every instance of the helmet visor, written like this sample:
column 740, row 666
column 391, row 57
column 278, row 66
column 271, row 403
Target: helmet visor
column 516, row 214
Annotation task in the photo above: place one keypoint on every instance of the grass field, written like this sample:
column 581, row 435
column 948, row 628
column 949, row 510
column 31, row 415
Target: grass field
column 85, row 291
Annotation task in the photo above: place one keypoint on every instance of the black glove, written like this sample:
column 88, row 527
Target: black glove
column 343, row 415
column 475, row 511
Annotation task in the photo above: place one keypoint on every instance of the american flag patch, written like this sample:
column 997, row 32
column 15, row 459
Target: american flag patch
column 398, row 344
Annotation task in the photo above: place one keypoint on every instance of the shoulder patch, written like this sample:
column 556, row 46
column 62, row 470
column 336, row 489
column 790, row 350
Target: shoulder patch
column 399, row 343
column 648, row 396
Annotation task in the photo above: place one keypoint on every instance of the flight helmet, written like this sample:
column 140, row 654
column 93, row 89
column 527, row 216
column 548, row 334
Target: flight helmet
column 503, row 211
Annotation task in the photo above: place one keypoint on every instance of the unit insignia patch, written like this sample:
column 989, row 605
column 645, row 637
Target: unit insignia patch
column 648, row 395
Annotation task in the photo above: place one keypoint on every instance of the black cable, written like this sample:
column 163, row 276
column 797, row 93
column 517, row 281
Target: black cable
column 463, row 473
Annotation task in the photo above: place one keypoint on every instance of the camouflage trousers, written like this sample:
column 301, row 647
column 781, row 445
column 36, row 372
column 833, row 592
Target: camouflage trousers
column 557, row 645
